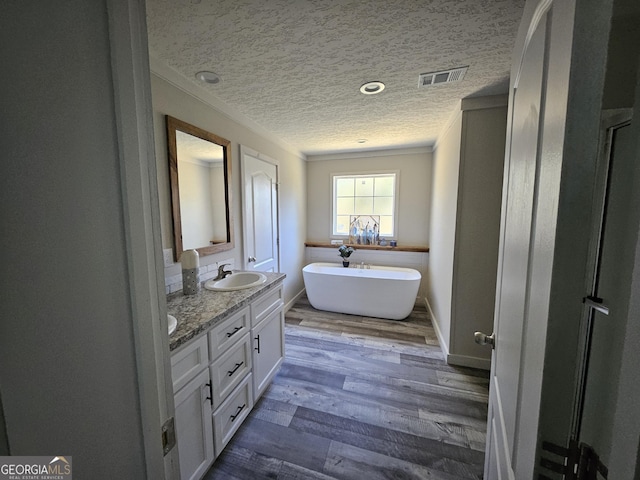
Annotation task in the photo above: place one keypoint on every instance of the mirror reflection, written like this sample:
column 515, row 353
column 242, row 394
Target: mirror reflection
column 199, row 164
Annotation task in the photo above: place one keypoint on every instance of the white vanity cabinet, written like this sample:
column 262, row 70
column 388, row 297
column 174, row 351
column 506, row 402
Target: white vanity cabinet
column 218, row 375
column 267, row 332
column 192, row 388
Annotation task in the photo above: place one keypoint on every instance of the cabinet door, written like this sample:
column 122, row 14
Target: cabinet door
column 194, row 430
column 268, row 350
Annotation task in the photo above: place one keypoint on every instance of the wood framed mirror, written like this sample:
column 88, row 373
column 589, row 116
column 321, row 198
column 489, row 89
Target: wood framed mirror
column 200, row 180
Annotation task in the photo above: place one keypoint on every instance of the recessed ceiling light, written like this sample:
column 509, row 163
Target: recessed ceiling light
column 208, row 77
column 371, row 88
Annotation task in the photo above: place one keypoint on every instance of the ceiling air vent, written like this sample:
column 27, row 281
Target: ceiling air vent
column 445, row 76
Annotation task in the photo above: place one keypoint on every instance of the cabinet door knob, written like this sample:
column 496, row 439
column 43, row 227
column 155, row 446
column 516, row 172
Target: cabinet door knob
column 252, row 259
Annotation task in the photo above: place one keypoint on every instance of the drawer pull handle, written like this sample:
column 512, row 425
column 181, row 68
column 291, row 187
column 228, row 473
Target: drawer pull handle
column 231, row 372
column 258, row 347
column 235, row 330
column 210, row 397
column 233, row 417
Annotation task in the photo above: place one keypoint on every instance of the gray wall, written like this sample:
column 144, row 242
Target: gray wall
column 465, row 224
column 478, row 228
column 67, row 360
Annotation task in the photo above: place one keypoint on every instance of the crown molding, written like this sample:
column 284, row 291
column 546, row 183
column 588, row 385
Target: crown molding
column 371, row 153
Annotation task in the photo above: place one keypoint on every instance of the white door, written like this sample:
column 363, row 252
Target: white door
column 260, row 211
column 515, row 260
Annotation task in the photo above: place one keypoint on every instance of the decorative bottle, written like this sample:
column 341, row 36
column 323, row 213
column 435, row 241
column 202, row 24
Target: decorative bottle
column 190, row 272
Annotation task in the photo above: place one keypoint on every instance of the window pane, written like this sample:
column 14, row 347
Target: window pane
column 344, row 206
column 342, row 227
column 386, row 226
column 344, row 187
column 364, row 206
column 384, row 186
column 383, row 206
column 364, row 195
column 364, row 187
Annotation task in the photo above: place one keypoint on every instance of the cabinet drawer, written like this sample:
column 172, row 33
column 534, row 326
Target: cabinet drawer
column 263, row 306
column 228, row 418
column 188, row 361
column 229, row 370
column 227, row 333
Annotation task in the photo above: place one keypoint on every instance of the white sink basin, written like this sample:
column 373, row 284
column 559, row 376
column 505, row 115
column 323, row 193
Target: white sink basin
column 236, row 281
column 173, row 323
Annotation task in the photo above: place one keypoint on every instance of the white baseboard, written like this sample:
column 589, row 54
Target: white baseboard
column 289, row 305
column 452, row 359
column 443, row 345
column 465, row 361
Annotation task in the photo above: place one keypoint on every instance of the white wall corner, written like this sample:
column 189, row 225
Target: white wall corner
column 448, row 124
column 444, row 345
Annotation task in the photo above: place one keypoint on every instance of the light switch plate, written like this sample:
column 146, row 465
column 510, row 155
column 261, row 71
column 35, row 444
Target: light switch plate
column 167, row 253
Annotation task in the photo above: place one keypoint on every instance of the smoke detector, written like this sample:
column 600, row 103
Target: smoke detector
column 444, row 76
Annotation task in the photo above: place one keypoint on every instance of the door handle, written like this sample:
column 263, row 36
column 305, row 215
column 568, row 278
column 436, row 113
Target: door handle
column 596, row 304
column 484, row 339
column 252, row 259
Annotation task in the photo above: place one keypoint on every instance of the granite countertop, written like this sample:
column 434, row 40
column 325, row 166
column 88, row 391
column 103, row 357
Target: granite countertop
column 199, row 312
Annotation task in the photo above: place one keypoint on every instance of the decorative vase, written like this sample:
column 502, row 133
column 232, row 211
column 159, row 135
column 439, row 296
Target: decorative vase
column 345, row 263
column 190, row 261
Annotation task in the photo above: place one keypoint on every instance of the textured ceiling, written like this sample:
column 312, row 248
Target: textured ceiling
column 295, row 67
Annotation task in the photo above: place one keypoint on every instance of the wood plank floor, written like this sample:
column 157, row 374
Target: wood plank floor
column 362, row 398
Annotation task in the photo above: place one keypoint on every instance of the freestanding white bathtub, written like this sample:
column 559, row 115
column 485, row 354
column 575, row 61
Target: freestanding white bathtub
column 384, row 292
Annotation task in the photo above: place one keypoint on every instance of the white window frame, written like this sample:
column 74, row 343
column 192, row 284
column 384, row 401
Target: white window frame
column 378, row 173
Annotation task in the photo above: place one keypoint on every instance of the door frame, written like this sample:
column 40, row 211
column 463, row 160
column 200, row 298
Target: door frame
column 141, row 216
column 260, row 156
column 611, row 120
column 625, row 441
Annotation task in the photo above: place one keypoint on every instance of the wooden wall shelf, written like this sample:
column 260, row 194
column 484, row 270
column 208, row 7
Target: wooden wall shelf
column 369, row 247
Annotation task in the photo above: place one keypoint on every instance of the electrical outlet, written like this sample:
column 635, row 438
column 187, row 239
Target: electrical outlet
column 167, row 253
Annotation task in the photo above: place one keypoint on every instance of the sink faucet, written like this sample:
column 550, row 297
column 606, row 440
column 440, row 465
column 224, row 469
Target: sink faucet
column 222, row 273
